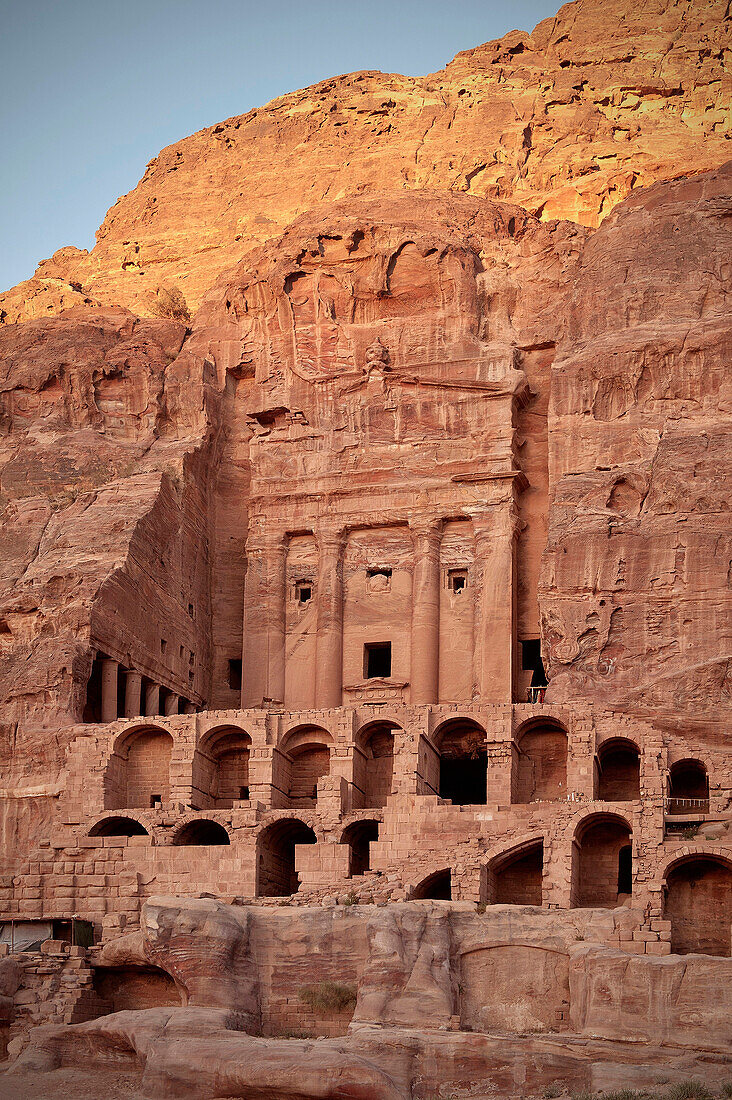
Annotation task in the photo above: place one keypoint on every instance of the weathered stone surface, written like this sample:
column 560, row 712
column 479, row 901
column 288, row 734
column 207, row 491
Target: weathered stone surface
column 599, row 100
column 635, row 584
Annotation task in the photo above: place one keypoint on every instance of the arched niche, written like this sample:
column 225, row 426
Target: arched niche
column 221, row 767
column 516, row 877
column 698, row 902
column 617, row 772
column 276, row 872
column 305, row 751
column 118, row 826
column 435, row 887
column 688, row 788
column 359, row 836
column 201, row 832
column 138, row 773
column 373, row 764
column 462, row 747
column 602, row 862
column 540, row 762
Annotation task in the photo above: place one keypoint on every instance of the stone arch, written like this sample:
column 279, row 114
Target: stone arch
column 697, row 899
column 539, row 773
column 688, row 787
column 373, row 764
column 617, row 770
column 118, row 825
column 138, row 772
column 515, row 877
column 276, row 871
column 601, row 862
column 221, row 766
column 201, row 831
column 462, row 747
column 436, row 887
column 305, row 750
column 359, row 836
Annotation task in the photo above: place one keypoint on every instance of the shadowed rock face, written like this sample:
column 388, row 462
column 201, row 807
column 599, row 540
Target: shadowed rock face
column 566, row 121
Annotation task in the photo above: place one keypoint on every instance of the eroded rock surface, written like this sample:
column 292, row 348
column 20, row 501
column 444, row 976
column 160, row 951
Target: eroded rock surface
column 566, row 121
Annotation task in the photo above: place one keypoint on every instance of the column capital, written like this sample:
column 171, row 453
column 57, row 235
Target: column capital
column 331, row 536
column 497, row 521
column 426, row 527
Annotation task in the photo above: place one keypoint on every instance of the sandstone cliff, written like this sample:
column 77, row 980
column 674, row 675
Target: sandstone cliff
column 566, row 121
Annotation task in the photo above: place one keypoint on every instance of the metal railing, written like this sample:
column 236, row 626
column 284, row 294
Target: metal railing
column 674, row 805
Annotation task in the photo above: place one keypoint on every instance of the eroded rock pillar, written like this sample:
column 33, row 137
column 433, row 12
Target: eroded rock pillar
column 329, row 641
column 133, row 692
column 110, row 673
column 495, row 635
column 425, row 648
column 263, row 678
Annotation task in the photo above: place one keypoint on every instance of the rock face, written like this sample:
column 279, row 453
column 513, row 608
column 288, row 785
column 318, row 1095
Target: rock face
column 635, row 583
column 566, row 121
column 418, row 972
column 398, row 574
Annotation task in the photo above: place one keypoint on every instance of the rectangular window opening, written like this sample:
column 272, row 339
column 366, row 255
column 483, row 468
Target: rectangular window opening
column 531, row 661
column 235, row 674
column 304, row 592
column 156, row 800
column 377, row 660
column 457, row 580
column 244, row 793
column 378, row 572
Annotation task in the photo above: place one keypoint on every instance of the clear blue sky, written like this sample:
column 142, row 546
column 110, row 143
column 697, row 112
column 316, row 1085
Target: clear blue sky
column 91, row 91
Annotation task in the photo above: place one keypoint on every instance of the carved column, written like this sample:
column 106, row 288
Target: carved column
column 110, row 672
column 133, row 692
column 263, row 678
column 152, row 698
column 425, row 649
column 496, row 532
column 329, row 640
column 171, row 703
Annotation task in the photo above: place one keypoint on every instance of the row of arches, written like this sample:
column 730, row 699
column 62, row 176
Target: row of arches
column 698, row 892
column 138, row 775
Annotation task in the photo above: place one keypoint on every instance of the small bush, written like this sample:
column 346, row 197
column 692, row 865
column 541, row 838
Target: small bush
column 552, row 1091
column 689, row 1090
column 727, row 1088
column 351, row 899
column 328, row 996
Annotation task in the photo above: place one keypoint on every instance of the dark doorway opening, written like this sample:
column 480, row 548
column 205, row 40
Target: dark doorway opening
column 377, row 660
column 359, row 836
column 235, row 669
column 437, row 887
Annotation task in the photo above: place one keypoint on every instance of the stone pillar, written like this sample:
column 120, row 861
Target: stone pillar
column 425, row 650
column 263, row 677
column 110, row 672
column 133, row 692
column 496, row 531
column 329, row 639
column 171, row 703
column 189, row 708
column 152, row 698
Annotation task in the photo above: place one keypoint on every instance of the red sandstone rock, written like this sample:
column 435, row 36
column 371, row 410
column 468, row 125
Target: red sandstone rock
column 567, row 121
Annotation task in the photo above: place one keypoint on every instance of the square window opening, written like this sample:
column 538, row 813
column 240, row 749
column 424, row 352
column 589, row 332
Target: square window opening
column 457, row 580
column 156, row 801
column 235, row 673
column 376, row 660
column 244, row 793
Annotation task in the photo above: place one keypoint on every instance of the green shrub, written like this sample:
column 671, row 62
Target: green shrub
column 552, row 1091
column 727, row 1088
column 328, row 996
